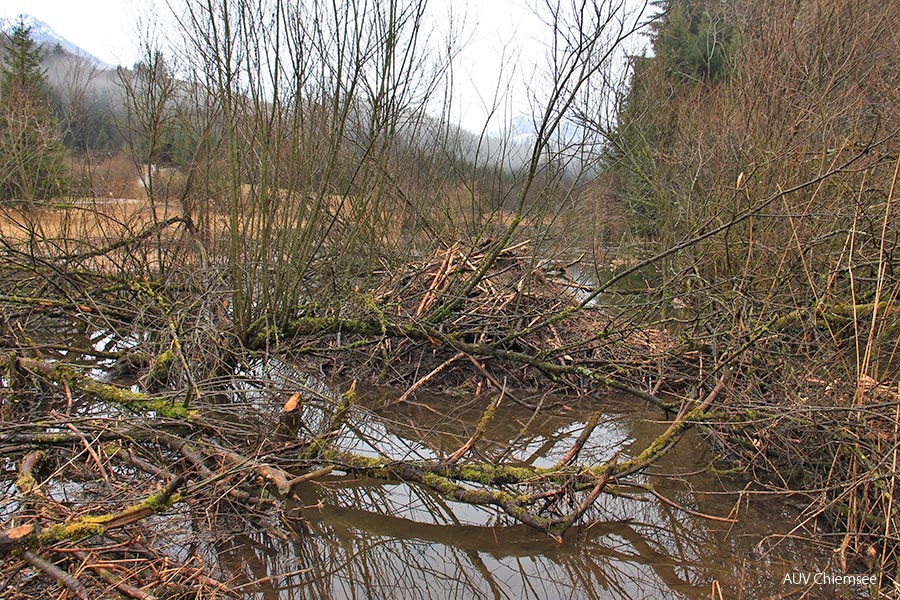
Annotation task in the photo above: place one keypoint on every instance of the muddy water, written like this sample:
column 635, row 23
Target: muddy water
column 355, row 538
column 367, row 539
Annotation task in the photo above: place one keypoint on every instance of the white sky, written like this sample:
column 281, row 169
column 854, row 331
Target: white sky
column 105, row 28
column 496, row 31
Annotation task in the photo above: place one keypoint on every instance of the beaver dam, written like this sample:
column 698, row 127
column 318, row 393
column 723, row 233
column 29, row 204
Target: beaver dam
column 273, row 325
column 478, row 422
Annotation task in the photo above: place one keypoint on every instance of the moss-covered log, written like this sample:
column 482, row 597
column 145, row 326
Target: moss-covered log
column 833, row 315
column 29, row 536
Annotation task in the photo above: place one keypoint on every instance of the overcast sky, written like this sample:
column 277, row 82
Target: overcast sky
column 105, row 28
column 497, row 32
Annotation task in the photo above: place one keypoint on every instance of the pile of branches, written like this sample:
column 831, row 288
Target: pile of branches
column 522, row 321
column 491, row 321
column 139, row 416
column 106, row 487
column 825, row 439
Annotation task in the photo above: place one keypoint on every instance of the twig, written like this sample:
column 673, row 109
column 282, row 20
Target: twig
column 439, row 278
column 414, row 387
column 89, row 525
column 580, row 442
column 479, row 429
column 90, row 450
column 310, row 476
column 673, row 504
column 281, row 479
column 117, row 582
column 589, row 499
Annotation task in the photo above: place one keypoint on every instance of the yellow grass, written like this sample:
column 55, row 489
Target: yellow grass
column 82, row 220
column 84, row 226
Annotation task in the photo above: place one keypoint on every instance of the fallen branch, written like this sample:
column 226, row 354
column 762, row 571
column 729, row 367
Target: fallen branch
column 479, row 429
column 15, row 537
column 418, row 384
column 589, row 428
column 88, row 526
column 588, row 500
column 282, row 480
column 63, row 578
column 66, row 375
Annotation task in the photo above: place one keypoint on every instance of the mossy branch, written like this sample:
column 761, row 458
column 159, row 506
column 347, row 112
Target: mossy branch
column 28, row 536
column 67, row 375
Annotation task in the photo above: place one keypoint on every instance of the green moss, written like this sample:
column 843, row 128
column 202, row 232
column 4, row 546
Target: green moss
column 440, row 484
column 96, row 519
column 264, row 337
column 112, row 394
column 348, row 399
column 725, row 472
column 137, row 401
column 78, row 530
column 352, row 461
column 162, row 366
column 157, row 502
column 495, row 475
column 63, row 373
column 90, row 525
column 26, row 483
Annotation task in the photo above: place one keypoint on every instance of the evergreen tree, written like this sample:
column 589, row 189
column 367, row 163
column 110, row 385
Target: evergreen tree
column 694, row 40
column 32, row 156
column 693, row 46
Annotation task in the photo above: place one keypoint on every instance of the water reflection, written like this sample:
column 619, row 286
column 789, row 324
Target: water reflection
column 368, row 539
column 348, row 537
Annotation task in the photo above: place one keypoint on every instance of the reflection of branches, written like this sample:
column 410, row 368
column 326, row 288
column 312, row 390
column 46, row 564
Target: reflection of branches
column 533, row 484
column 488, row 551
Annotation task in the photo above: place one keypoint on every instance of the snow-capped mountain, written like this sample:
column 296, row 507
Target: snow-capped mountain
column 44, row 35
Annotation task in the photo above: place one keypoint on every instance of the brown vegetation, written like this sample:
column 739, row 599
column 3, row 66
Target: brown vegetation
column 728, row 258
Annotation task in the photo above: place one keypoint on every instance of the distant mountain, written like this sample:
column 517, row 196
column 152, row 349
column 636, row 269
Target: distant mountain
column 45, row 36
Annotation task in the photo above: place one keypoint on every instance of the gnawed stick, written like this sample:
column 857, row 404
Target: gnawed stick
column 281, row 479
column 193, row 456
column 310, row 476
column 439, row 278
column 15, row 537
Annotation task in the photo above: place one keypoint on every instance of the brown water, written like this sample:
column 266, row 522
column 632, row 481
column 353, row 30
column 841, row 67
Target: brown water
column 370, row 539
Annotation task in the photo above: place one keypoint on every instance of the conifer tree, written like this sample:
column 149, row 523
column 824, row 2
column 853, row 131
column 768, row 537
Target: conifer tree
column 32, row 155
